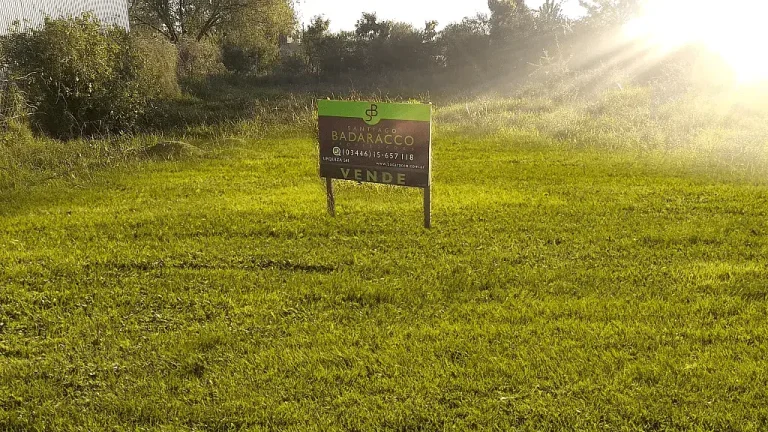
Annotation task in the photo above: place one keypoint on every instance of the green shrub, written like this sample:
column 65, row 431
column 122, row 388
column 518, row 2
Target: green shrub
column 13, row 104
column 85, row 79
column 239, row 60
column 13, row 107
column 158, row 67
column 199, row 59
column 292, row 66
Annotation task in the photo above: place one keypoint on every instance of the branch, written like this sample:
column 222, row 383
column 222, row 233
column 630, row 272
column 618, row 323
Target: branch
column 213, row 20
column 157, row 29
column 163, row 11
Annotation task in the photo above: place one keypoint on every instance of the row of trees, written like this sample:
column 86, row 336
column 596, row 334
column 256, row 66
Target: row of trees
column 247, row 35
column 512, row 36
column 78, row 78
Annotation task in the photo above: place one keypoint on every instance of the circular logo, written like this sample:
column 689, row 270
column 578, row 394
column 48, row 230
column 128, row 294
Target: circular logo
column 336, row 151
column 371, row 113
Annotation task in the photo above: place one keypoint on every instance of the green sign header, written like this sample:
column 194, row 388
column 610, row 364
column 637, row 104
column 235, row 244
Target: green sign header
column 373, row 113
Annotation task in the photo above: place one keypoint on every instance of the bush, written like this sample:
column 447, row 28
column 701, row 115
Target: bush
column 199, row 59
column 13, row 104
column 84, row 79
column 291, row 67
column 239, row 60
column 157, row 74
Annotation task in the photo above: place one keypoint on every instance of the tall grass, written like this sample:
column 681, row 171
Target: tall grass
column 729, row 128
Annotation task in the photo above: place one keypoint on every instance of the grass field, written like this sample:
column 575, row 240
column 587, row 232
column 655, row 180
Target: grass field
column 563, row 287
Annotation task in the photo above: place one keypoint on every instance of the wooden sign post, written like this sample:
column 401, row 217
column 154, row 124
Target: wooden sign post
column 382, row 143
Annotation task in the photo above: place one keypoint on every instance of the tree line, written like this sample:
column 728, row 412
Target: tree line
column 243, row 35
column 72, row 77
column 247, row 35
column 512, row 37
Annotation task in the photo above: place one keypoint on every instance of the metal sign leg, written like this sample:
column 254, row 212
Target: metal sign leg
column 428, row 207
column 331, row 198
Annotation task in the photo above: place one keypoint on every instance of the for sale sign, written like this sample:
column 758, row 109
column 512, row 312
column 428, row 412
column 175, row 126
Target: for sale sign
column 384, row 143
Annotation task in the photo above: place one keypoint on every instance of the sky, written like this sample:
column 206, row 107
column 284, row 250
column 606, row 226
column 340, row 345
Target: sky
column 344, row 13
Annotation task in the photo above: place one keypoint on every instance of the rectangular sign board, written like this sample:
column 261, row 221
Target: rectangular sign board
column 387, row 143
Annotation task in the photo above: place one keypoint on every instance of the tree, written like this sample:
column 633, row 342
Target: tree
column 402, row 49
column 550, row 17
column 257, row 29
column 607, row 13
column 511, row 27
column 369, row 27
column 551, row 25
column 511, row 21
column 312, row 39
column 430, row 50
column 338, row 54
column 430, row 31
column 376, row 47
column 466, row 44
column 385, row 46
column 198, row 19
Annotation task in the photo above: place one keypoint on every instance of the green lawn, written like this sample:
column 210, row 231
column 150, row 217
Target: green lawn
column 559, row 290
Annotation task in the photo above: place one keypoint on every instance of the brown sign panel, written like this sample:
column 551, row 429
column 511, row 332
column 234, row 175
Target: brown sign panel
column 378, row 143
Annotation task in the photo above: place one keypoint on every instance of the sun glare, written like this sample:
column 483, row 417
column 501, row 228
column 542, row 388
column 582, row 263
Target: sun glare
column 735, row 30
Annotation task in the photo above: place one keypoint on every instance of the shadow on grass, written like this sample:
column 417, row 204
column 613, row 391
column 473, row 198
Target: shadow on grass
column 246, row 264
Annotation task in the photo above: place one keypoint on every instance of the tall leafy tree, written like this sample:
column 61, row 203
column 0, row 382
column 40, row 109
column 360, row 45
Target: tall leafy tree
column 259, row 28
column 369, row 27
column 550, row 16
column 466, row 44
column 511, row 21
column 312, row 42
column 512, row 24
column 404, row 48
column 198, row 19
column 606, row 13
column 430, row 31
